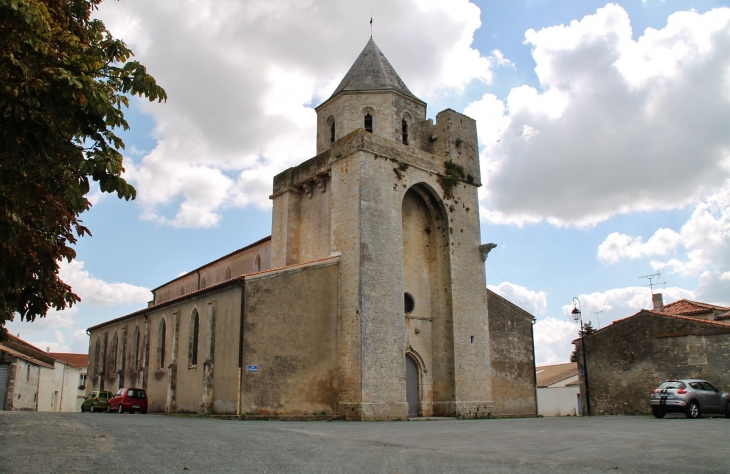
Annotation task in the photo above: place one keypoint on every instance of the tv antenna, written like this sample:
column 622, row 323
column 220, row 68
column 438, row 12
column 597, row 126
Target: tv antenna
column 599, row 321
column 652, row 283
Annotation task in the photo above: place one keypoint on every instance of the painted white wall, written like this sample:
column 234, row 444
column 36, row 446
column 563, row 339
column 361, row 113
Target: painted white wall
column 558, row 401
column 57, row 388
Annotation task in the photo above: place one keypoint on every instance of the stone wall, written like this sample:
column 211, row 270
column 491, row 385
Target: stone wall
column 628, row 359
column 177, row 385
column 513, row 358
column 22, row 388
column 290, row 341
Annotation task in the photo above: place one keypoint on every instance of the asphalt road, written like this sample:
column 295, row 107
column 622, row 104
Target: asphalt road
column 111, row 443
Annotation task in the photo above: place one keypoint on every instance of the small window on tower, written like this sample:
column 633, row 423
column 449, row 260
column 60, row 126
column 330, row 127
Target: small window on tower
column 332, row 132
column 404, row 127
column 368, row 123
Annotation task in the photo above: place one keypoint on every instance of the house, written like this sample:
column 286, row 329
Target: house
column 80, row 361
column 629, row 358
column 368, row 300
column 558, row 393
column 35, row 380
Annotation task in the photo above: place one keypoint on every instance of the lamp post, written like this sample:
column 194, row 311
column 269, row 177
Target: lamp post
column 577, row 316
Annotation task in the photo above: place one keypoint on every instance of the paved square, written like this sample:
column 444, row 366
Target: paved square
column 53, row 442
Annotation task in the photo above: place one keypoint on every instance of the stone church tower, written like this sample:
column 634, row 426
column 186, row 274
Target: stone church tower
column 395, row 196
column 368, row 301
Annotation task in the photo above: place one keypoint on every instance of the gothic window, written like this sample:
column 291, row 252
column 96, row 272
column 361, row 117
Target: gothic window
column 135, row 349
column 257, row 264
column 332, row 132
column 404, row 128
column 368, row 122
column 161, row 346
column 27, row 373
column 97, row 353
column 194, row 332
column 113, row 362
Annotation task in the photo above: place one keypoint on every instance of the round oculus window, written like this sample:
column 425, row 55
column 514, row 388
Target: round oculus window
column 408, row 302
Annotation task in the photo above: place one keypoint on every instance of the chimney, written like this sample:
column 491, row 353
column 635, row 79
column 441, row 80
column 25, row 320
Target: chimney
column 658, row 302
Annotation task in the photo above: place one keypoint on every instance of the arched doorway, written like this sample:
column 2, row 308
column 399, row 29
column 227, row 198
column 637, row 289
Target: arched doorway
column 412, row 385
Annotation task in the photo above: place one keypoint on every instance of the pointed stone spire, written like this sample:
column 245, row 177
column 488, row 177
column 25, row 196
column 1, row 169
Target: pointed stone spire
column 372, row 72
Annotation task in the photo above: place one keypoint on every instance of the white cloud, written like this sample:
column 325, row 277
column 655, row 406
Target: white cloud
column 705, row 239
column 617, row 246
column 553, row 338
column 50, row 346
column 618, row 303
column 534, row 302
column 98, row 292
column 618, row 126
column 242, row 77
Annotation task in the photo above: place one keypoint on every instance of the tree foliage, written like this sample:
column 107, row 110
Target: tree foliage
column 64, row 81
column 587, row 330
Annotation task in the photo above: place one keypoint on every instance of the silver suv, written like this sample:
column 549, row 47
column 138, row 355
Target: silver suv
column 691, row 396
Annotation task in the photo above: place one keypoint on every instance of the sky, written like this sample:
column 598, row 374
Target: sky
column 603, row 130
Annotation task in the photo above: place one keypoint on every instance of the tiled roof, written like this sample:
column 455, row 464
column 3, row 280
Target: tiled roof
column 646, row 311
column 724, row 315
column 551, row 374
column 686, row 307
column 25, row 357
column 371, row 71
column 77, row 360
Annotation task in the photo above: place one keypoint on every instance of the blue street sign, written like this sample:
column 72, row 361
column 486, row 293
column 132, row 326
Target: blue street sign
column 253, row 368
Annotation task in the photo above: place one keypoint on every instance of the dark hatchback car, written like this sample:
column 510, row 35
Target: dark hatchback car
column 130, row 400
column 689, row 396
column 96, row 401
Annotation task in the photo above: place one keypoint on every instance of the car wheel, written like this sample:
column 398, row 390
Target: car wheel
column 82, row 408
column 120, row 410
column 727, row 410
column 658, row 413
column 108, row 409
column 92, row 409
column 693, row 410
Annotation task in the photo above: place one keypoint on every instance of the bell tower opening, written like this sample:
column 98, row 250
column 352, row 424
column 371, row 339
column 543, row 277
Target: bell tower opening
column 368, row 122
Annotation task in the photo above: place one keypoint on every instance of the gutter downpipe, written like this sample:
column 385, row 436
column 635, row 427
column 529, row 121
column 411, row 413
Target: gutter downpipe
column 242, row 284
column 537, row 408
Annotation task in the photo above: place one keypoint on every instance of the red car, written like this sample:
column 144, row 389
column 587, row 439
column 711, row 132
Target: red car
column 128, row 399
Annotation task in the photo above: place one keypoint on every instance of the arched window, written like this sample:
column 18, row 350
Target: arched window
column 194, row 332
column 113, row 362
column 257, row 264
column 228, row 273
column 135, row 349
column 97, row 353
column 404, row 129
column 332, row 132
column 161, row 346
column 27, row 374
column 368, row 122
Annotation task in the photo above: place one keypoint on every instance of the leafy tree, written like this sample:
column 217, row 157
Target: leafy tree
column 587, row 330
column 63, row 83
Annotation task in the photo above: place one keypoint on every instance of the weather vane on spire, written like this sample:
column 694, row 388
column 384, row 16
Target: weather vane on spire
column 371, row 27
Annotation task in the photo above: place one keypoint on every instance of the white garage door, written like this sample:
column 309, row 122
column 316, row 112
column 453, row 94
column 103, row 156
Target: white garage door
column 3, row 383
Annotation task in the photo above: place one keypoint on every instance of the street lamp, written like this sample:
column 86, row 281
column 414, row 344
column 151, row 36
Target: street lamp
column 577, row 316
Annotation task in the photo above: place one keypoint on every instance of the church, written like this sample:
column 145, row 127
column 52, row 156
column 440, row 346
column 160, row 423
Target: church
column 368, row 300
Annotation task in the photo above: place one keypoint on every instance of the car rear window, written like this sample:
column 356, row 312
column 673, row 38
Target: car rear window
column 136, row 394
column 672, row 385
column 103, row 395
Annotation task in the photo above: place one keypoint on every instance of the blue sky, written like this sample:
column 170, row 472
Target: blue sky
column 605, row 152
